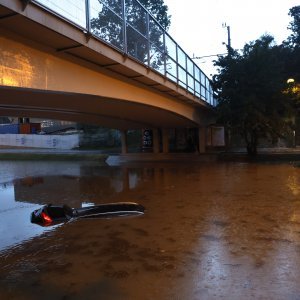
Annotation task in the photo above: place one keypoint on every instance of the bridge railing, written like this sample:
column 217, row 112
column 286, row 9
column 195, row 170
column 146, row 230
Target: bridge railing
column 127, row 26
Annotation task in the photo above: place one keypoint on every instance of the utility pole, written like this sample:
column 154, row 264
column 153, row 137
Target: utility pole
column 229, row 49
column 229, row 39
column 224, row 25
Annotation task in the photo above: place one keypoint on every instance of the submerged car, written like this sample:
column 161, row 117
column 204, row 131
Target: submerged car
column 54, row 214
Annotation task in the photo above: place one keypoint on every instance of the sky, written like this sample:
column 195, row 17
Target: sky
column 196, row 25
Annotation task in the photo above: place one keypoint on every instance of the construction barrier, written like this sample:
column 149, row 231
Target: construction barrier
column 40, row 141
column 9, row 128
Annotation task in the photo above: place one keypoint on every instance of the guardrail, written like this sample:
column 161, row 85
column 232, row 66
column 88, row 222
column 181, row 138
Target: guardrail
column 127, row 26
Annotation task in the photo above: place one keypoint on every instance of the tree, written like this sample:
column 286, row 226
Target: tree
column 294, row 38
column 143, row 42
column 293, row 44
column 250, row 89
column 293, row 65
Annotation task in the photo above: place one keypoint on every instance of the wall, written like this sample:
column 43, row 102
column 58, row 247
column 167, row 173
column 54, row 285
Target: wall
column 40, row 141
column 215, row 136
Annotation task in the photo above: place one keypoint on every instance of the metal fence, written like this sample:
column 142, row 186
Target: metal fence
column 127, row 26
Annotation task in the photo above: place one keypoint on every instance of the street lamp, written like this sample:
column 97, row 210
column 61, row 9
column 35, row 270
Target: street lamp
column 294, row 87
column 294, row 91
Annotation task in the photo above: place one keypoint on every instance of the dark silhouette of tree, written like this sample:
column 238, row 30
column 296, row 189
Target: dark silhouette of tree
column 294, row 38
column 250, row 93
column 293, row 44
column 293, row 65
column 143, row 34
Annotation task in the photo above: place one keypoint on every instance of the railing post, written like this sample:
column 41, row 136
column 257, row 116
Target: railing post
column 177, row 65
column 87, row 15
column 186, row 74
column 194, row 79
column 25, row 3
column 148, row 36
column 165, row 53
column 124, row 26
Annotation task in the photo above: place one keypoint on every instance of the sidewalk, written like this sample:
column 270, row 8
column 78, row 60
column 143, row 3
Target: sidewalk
column 50, row 151
column 264, row 154
column 281, row 150
column 51, row 154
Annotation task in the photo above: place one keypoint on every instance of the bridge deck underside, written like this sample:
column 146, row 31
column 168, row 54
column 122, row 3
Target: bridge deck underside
column 109, row 113
column 49, row 34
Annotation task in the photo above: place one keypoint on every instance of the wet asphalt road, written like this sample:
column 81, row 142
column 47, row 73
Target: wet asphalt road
column 210, row 231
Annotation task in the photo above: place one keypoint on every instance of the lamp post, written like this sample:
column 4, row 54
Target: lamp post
column 293, row 87
column 294, row 91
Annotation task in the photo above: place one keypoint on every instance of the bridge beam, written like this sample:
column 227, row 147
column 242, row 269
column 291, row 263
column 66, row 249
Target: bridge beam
column 32, row 78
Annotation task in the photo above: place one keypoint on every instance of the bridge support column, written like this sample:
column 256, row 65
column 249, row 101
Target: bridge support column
column 165, row 140
column 126, row 185
column 124, row 141
column 155, row 140
column 202, row 139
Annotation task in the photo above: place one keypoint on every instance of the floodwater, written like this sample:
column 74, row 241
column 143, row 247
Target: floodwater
column 210, row 231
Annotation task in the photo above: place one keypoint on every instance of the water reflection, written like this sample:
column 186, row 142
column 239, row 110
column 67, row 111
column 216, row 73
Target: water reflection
column 96, row 187
column 93, row 185
column 210, row 231
column 15, row 226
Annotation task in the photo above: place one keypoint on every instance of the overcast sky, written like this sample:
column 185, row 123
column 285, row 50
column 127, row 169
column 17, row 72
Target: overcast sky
column 196, row 25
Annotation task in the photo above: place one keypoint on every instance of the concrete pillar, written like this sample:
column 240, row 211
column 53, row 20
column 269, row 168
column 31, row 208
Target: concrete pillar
column 202, row 139
column 165, row 140
column 147, row 140
column 126, row 186
column 124, row 141
column 155, row 140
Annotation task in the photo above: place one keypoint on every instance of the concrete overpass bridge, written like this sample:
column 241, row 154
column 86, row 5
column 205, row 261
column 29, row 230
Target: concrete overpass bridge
column 88, row 61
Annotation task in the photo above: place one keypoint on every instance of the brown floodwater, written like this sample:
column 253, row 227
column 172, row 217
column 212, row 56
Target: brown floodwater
column 210, row 231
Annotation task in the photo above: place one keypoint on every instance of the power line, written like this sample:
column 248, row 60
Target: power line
column 224, row 25
column 200, row 57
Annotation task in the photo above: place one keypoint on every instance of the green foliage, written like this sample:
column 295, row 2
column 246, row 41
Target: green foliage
column 293, row 44
column 159, row 11
column 250, row 91
column 293, row 59
column 294, row 38
column 108, row 25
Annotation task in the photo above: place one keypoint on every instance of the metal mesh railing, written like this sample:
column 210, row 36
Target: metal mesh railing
column 129, row 27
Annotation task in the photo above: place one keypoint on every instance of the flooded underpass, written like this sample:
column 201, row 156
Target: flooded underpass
column 210, row 231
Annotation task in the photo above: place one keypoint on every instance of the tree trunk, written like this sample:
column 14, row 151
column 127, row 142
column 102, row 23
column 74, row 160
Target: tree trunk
column 251, row 142
column 252, row 149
